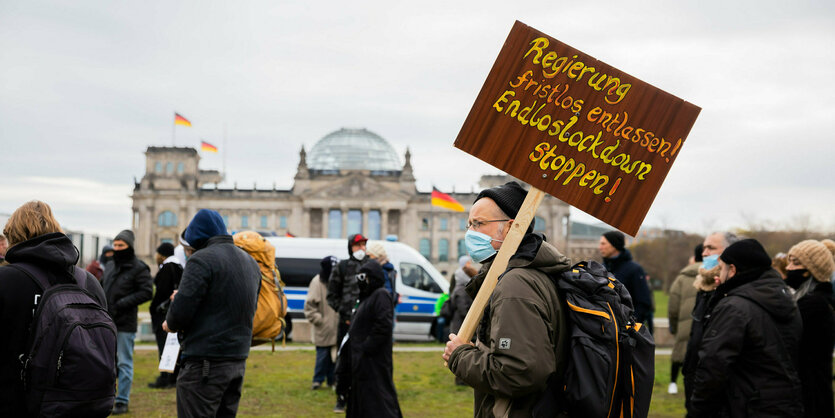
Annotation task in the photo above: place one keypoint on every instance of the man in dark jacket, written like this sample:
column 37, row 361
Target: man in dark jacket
column 748, row 355
column 127, row 284
column 343, row 293
column 618, row 260
column 514, row 355
column 372, row 385
column 165, row 282
column 213, row 309
column 54, row 255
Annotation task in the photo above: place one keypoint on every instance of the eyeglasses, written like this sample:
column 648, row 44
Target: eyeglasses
column 475, row 225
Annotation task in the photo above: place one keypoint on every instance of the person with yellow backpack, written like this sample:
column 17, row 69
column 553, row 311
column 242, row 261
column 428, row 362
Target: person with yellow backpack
column 269, row 323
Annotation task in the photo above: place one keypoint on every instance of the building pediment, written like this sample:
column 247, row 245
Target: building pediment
column 355, row 186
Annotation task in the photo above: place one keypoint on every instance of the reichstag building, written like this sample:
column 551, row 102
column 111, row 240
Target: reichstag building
column 351, row 181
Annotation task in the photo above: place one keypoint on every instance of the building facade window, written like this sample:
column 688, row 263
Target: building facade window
column 462, row 248
column 443, row 250
column 444, row 224
column 167, row 218
column 181, row 168
column 335, row 223
column 425, row 248
column 244, row 221
column 169, row 168
column 282, row 221
column 158, row 167
column 225, row 221
column 263, row 221
column 374, row 225
column 424, row 224
column 354, row 222
column 462, row 224
column 539, row 224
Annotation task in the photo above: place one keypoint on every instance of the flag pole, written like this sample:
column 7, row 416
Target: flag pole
column 174, row 131
column 431, row 224
column 223, row 168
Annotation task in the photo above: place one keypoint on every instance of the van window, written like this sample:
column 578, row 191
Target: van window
column 415, row 276
column 297, row 271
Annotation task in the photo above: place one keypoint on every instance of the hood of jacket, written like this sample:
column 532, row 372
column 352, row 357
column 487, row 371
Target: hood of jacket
column 52, row 251
column 206, row 224
column 766, row 290
column 533, row 252
column 461, row 279
column 692, row 270
column 374, row 278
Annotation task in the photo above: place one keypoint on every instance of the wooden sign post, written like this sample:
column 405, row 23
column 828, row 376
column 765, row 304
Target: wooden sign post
column 573, row 127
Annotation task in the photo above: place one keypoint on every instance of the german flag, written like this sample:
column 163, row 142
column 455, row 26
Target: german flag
column 445, row 201
column 179, row 120
column 205, row 146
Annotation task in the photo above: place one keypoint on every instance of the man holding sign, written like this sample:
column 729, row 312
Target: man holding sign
column 514, row 353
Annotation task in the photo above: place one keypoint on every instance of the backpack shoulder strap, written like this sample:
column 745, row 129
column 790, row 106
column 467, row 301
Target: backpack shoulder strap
column 42, row 281
column 33, row 273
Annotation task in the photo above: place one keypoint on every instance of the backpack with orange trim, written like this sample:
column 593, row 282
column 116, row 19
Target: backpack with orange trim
column 610, row 359
column 269, row 322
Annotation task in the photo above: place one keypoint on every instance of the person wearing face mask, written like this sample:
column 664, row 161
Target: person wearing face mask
column 705, row 283
column 127, row 284
column 513, row 358
column 372, row 390
column 343, row 293
column 748, row 355
column 808, row 272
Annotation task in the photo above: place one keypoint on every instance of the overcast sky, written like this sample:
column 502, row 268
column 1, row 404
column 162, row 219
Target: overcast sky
column 87, row 86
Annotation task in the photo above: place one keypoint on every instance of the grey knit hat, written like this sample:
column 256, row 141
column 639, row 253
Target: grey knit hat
column 126, row 236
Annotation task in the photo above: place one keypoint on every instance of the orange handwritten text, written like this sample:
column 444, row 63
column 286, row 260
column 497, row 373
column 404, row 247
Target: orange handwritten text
column 553, row 64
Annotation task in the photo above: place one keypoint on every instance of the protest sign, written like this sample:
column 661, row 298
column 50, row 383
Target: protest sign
column 577, row 128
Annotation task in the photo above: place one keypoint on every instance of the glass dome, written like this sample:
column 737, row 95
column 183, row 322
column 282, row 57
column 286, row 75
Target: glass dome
column 353, row 149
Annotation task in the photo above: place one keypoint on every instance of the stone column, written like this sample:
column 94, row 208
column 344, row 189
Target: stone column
column 344, row 223
column 384, row 223
column 364, row 222
column 325, row 225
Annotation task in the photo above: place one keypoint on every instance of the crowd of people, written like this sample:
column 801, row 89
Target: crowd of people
column 754, row 335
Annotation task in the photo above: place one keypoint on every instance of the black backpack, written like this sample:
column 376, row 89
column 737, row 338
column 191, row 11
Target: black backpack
column 609, row 366
column 69, row 367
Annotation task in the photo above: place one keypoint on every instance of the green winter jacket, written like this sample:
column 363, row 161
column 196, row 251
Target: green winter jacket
column 515, row 351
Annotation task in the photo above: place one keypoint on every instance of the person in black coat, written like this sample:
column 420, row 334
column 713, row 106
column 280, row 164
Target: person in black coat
column 127, row 284
column 618, row 260
column 808, row 272
column 36, row 239
column 213, row 309
column 749, row 353
column 165, row 282
column 372, row 390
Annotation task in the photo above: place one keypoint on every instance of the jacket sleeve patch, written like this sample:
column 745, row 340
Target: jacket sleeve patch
column 504, row 343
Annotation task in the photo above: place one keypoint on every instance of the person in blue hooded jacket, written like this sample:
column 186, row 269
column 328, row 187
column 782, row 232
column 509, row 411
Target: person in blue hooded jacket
column 213, row 310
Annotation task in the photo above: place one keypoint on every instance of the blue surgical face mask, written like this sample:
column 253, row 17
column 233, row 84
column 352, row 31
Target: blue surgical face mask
column 479, row 245
column 710, row 261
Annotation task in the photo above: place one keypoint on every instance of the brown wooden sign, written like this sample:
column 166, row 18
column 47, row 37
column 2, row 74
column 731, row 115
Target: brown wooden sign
column 576, row 128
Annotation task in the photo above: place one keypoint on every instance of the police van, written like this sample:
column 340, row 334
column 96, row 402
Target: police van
column 418, row 282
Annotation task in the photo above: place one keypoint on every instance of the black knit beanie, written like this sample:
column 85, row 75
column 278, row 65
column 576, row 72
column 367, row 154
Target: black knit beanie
column 165, row 249
column 746, row 255
column 509, row 197
column 616, row 239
